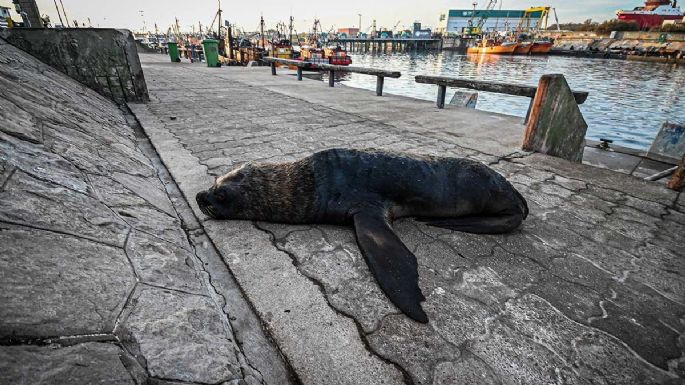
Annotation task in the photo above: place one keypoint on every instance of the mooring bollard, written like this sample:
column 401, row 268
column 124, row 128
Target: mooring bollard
column 677, row 181
column 555, row 126
column 442, row 92
column 273, row 68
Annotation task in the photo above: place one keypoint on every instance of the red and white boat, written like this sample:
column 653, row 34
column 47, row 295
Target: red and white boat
column 653, row 13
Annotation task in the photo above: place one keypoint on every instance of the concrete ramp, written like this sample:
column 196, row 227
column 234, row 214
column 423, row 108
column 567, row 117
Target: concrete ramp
column 103, row 268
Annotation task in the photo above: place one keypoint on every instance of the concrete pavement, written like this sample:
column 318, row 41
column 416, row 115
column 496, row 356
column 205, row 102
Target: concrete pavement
column 590, row 290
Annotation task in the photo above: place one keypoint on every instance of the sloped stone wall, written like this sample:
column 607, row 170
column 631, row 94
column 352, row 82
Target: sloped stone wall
column 105, row 60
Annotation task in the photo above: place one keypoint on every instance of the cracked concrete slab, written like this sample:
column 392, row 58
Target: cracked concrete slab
column 73, row 287
column 88, row 363
column 179, row 337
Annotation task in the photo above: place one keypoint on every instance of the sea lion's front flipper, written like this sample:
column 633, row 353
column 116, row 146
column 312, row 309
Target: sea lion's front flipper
column 393, row 265
column 478, row 224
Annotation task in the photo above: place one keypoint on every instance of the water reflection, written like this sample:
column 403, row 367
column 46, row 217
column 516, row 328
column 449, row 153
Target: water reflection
column 628, row 100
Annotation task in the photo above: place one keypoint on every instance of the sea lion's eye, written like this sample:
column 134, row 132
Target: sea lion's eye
column 220, row 194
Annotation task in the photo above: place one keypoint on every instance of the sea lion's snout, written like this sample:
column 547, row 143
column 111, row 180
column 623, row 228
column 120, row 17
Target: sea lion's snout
column 204, row 203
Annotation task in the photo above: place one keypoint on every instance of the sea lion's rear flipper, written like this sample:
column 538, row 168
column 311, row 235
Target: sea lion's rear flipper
column 393, row 265
column 478, row 224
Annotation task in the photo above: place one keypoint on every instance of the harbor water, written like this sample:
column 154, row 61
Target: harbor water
column 628, row 101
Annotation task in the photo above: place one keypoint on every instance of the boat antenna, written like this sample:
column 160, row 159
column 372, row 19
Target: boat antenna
column 290, row 35
column 64, row 12
column 261, row 29
column 59, row 14
column 218, row 27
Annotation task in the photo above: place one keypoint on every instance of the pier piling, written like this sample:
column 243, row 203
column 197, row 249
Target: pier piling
column 555, row 125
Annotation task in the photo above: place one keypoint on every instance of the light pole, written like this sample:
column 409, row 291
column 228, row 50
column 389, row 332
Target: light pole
column 142, row 16
column 360, row 25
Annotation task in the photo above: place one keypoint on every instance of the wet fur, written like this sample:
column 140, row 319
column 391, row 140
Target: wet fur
column 281, row 192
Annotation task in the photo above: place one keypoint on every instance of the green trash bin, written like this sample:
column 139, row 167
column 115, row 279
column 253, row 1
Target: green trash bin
column 173, row 51
column 211, row 50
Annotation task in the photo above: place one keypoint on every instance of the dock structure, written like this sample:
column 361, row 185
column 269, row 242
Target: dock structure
column 389, row 44
column 149, row 290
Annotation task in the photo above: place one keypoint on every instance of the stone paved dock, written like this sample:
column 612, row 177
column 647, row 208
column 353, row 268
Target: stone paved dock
column 111, row 274
column 591, row 289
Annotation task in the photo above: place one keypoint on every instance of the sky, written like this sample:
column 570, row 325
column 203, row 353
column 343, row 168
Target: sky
column 245, row 14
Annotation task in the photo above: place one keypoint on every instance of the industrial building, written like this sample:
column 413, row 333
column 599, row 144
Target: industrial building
column 456, row 20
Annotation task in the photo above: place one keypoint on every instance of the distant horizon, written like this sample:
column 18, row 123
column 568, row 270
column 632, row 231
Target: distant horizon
column 135, row 15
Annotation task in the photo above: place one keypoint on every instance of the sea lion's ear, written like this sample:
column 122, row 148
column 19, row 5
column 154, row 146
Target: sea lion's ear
column 393, row 265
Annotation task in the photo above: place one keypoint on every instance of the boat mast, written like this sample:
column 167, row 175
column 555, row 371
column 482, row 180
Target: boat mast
column 261, row 31
column 218, row 27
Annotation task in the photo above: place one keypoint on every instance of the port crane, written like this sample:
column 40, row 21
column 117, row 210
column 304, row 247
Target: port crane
column 477, row 28
column 394, row 28
column 533, row 20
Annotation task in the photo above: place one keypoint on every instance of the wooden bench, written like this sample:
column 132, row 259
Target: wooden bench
column 501, row 88
column 332, row 69
column 554, row 123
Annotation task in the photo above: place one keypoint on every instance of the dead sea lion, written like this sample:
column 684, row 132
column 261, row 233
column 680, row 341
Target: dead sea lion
column 369, row 189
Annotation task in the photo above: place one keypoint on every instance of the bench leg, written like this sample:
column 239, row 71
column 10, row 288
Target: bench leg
column 299, row 73
column 379, row 85
column 442, row 91
column 530, row 108
column 331, row 78
column 273, row 68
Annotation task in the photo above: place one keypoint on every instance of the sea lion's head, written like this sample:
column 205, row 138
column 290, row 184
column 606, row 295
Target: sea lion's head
column 226, row 198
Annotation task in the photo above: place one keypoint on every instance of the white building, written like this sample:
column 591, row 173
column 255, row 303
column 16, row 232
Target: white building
column 456, row 20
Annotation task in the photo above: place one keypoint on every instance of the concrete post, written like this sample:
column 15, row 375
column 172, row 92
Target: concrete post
column 677, row 182
column 442, row 91
column 379, row 85
column 555, row 126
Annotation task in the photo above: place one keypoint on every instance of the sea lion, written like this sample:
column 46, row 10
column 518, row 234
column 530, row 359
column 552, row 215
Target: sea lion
column 369, row 189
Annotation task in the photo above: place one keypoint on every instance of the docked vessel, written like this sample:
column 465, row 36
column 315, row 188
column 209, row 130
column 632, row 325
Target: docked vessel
column 652, row 14
column 338, row 56
column 493, row 47
column 523, row 48
column 541, row 47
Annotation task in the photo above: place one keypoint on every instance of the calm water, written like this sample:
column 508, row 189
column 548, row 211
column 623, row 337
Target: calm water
column 628, row 101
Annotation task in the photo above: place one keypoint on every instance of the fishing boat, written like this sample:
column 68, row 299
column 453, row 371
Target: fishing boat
column 281, row 49
column 337, row 55
column 313, row 54
column 541, row 47
column 523, row 48
column 493, row 47
column 652, row 14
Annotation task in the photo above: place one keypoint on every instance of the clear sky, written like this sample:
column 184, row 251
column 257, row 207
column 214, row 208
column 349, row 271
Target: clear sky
column 245, row 13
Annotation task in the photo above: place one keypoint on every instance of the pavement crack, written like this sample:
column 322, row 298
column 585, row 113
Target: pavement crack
column 360, row 330
column 61, row 232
